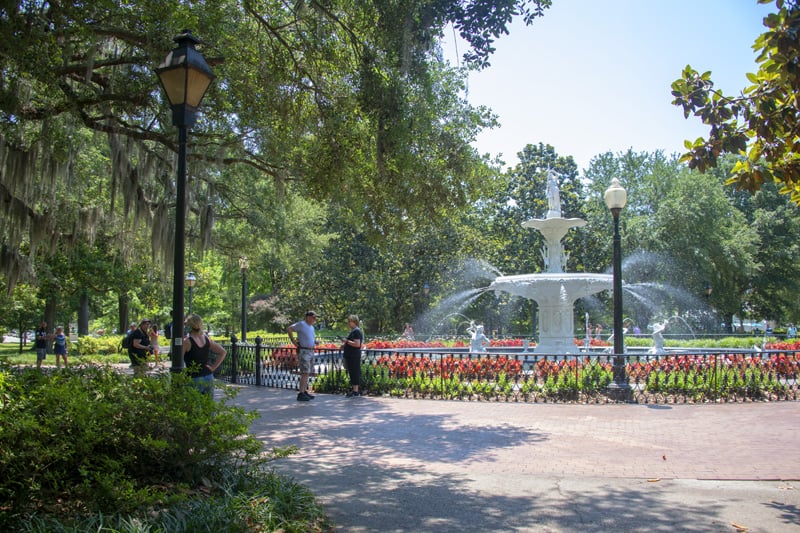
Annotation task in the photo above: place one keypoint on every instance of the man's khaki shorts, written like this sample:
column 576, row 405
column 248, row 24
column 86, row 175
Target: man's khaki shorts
column 305, row 361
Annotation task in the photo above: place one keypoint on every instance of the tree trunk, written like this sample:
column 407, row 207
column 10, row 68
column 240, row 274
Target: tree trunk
column 122, row 306
column 50, row 313
column 83, row 315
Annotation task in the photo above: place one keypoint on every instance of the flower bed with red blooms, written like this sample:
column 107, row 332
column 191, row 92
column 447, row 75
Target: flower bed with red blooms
column 448, row 366
column 403, row 344
column 792, row 346
column 593, row 343
column 546, row 368
column 433, row 370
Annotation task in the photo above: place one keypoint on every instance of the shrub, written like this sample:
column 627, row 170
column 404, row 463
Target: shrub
column 88, row 345
column 89, row 439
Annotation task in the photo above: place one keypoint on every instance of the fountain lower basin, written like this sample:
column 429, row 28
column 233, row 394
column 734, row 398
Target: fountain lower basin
column 555, row 294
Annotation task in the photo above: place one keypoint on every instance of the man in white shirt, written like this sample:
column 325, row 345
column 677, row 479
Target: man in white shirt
column 302, row 335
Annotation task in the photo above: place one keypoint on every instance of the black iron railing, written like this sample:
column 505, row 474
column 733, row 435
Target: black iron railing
column 685, row 377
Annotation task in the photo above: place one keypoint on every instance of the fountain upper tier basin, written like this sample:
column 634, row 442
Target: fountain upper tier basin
column 558, row 287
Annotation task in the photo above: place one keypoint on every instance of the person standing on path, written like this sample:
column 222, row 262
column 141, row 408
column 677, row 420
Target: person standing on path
column 60, row 347
column 302, row 335
column 352, row 354
column 139, row 347
column 197, row 350
column 41, row 344
column 152, row 333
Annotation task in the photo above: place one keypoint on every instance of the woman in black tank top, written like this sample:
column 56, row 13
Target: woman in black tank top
column 197, row 355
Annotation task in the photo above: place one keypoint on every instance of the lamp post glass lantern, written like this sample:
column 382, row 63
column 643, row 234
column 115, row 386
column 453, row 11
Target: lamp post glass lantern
column 616, row 198
column 244, row 264
column 185, row 77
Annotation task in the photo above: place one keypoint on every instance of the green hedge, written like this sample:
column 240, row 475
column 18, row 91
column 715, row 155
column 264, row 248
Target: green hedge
column 90, row 439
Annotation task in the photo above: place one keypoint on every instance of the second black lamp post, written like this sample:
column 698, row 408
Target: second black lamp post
column 616, row 197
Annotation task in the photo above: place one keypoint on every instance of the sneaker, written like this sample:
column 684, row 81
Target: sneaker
column 302, row 397
column 309, row 396
column 352, row 394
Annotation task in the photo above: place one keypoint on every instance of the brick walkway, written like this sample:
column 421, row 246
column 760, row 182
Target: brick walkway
column 376, row 461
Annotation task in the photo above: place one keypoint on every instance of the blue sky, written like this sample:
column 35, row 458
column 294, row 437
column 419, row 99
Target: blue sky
column 594, row 76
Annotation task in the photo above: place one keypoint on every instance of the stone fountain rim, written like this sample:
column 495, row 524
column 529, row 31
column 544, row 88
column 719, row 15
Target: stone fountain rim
column 556, row 276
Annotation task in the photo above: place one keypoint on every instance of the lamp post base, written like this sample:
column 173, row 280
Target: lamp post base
column 620, row 392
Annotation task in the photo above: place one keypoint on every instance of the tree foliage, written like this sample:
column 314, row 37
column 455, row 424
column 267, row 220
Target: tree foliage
column 342, row 104
column 763, row 122
column 321, row 99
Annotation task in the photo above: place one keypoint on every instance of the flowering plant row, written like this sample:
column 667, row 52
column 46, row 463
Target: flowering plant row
column 784, row 365
column 789, row 346
column 694, row 377
column 448, row 366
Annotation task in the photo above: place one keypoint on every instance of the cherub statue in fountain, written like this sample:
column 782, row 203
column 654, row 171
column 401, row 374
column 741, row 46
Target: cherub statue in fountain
column 658, row 338
column 553, row 196
column 478, row 341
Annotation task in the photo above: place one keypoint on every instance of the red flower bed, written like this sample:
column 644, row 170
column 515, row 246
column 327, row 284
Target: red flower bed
column 407, row 344
column 407, row 365
column 402, row 344
column 789, row 346
column 593, row 343
column 546, row 367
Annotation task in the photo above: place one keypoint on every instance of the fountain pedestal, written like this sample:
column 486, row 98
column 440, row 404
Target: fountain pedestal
column 555, row 295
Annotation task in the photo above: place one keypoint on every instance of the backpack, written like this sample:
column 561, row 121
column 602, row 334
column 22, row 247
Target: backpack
column 127, row 340
column 168, row 330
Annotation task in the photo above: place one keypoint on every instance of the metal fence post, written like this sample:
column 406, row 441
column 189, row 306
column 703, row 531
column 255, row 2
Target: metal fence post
column 234, row 358
column 258, row 361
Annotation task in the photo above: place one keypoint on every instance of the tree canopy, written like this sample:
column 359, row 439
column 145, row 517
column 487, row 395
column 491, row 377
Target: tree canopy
column 762, row 124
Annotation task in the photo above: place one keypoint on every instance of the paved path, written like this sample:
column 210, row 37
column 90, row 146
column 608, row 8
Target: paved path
column 393, row 465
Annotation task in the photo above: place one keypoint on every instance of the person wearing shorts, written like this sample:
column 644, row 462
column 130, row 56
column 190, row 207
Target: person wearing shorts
column 140, row 347
column 302, row 335
column 60, row 347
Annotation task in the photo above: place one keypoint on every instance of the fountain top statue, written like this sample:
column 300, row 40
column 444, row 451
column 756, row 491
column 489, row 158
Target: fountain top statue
column 553, row 227
column 553, row 196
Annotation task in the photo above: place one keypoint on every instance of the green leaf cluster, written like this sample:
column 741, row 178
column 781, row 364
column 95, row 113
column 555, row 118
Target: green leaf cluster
column 761, row 124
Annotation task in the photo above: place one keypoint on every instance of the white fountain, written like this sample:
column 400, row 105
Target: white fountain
column 555, row 291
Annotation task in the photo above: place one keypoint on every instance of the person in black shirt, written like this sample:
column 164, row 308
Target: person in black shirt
column 140, row 347
column 197, row 350
column 352, row 354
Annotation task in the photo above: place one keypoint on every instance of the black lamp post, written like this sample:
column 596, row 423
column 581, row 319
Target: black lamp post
column 616, row 197
column 185, row 77
column 244, row 264
column 191, row 281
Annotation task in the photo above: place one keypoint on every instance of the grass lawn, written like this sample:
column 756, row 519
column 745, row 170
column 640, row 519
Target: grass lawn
column 9, row 353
